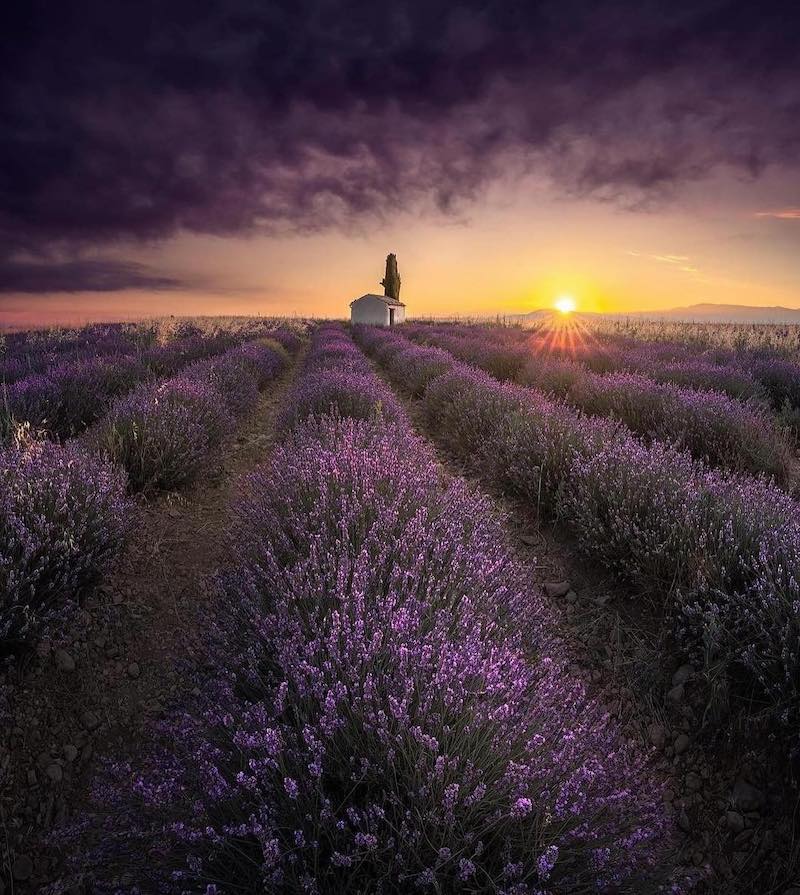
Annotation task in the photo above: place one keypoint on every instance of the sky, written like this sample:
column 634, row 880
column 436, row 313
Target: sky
column 248, row 157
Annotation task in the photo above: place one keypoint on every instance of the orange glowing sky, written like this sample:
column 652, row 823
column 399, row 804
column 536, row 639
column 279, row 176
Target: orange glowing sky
column 514, row 249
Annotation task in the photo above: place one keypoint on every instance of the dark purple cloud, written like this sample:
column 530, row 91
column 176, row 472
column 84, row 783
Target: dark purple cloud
column 134, row 120
column 80, row 275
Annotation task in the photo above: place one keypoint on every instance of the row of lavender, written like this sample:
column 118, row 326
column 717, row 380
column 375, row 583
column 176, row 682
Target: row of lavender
column 383, row 706
column 66, row 397
column 31, row 351
column 62, row 400
column 163, row 432
column 741, row 372
column 64, row 513
column 741, row 339
column 713, row 427
column 727, row 547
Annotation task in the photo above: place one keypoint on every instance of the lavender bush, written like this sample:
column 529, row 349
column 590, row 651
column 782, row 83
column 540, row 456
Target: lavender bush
column 504, row 361
column 713, row 427
column 386, row 710
column 29, row 352
column 162, row 433
column 289, row 339
column 267, row 359
column 708, row 377
column 239, row 374
column 780, row 378
column 350, row 387
column 63, row 516
column 416, row 367
column 332, row 350
column 337, row 357
column 382, row 344
column 511, row 435
column 760, row 371
column 231, row 377
column 171, row 357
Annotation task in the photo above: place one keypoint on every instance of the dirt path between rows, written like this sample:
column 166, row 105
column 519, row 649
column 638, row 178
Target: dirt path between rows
column 734, row 818
column 91, row 693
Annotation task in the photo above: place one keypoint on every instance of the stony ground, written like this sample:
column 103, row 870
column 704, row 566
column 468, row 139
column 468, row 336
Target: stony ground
column 118, row 661
column 730, row 807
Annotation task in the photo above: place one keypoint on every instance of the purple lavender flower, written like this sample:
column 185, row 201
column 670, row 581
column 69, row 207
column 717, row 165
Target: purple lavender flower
column 546, row 862
column 63, row 516
column 351, row 389
column 522, row 806
column 62, row 395
column 163, row 432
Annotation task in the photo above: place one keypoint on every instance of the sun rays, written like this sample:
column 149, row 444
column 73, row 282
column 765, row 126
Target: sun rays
column 564, row 333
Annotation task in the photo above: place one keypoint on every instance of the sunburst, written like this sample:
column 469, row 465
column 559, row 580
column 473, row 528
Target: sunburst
column 566, row 304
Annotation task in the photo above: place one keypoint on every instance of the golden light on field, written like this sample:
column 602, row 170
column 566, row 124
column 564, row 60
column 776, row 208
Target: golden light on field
column 565, row 304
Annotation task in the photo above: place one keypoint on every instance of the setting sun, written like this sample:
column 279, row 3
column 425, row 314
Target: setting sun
column 565, row 304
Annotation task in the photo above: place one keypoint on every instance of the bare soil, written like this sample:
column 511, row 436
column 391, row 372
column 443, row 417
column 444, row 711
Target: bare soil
column 119, row 661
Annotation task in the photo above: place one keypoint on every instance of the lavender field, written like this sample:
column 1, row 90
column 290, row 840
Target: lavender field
column 308, row 608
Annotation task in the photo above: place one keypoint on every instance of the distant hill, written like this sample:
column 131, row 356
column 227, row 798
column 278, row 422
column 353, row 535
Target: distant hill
column 718, row 313
column 702, row 313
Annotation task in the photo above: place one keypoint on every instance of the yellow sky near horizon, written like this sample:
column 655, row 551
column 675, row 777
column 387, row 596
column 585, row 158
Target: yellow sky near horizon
column 516, row 250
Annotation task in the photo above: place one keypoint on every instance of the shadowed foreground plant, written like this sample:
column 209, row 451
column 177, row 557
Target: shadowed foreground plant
column 63, row 516
column 161, row 435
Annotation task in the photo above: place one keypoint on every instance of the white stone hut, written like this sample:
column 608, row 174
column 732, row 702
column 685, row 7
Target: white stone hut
column 377, row 310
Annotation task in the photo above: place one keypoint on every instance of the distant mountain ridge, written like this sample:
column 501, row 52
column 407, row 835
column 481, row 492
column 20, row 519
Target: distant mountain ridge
column 719, row 313
column 700, row 313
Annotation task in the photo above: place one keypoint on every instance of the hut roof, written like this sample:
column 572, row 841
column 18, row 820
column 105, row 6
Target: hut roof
column 387, row 299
